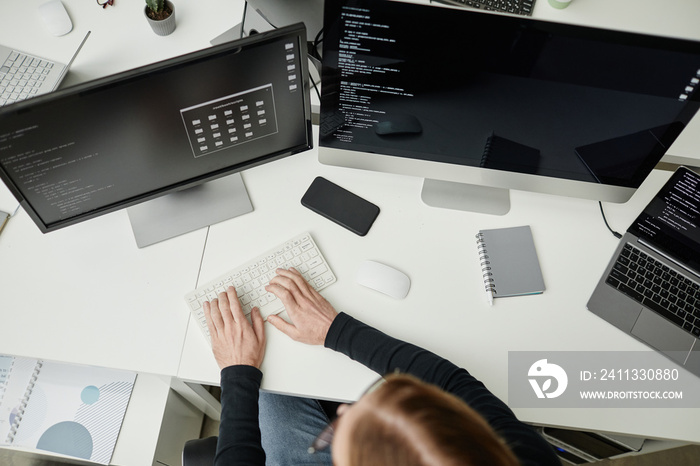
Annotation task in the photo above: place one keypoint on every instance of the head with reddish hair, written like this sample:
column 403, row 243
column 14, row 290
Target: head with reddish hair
column 408, row 422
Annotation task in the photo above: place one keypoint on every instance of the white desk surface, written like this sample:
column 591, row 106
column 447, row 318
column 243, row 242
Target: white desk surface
column 46, row 313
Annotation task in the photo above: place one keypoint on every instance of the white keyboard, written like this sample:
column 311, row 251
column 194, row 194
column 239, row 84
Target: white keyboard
column 251, row 278
column 23, row 76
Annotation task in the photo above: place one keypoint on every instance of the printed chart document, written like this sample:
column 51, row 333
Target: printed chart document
column 63, row 408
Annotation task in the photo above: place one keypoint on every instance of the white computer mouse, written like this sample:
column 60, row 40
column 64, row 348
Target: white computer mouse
column 384, row 279
column 55, row 17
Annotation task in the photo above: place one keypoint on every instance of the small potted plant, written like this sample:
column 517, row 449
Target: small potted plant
column 161, row 16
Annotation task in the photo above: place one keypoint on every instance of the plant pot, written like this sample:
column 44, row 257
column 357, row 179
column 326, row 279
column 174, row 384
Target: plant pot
column 165, row 26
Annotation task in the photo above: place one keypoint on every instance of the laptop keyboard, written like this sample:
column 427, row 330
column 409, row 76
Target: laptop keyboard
column 658, row 287
column 21, row 77
column 517, row 7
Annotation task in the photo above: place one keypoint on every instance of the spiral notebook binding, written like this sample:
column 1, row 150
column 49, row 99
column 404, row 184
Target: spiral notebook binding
column 485, row 264
column 23, row 404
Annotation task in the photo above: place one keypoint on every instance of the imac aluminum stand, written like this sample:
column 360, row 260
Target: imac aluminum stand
column 188, row 210
column 465, row 197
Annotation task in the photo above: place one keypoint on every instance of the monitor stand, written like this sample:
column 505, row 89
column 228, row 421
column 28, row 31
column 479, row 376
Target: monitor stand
column 466, row 197
column 188, row 210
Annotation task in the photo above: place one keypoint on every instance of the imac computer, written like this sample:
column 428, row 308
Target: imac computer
column 171, row 134
column 478, row 103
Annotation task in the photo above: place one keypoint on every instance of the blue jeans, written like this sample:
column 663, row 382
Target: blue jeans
column 289, row 425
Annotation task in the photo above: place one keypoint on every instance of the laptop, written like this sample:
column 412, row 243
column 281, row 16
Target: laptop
column 23, row 75
column 651, row 287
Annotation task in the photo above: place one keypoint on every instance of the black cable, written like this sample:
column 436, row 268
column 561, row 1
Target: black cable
column 316, row 42
column 615, row 234
column 313, row 51
column 315, row 87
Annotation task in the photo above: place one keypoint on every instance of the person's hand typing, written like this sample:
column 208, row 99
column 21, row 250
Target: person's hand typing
column 234, row 340
column 310, row 313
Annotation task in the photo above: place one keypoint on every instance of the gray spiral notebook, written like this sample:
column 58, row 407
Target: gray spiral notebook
column 509, row 262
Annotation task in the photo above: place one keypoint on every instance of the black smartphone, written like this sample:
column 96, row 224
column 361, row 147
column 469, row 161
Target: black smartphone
column 340, row 205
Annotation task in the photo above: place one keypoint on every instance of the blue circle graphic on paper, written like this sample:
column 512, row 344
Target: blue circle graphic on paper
column 67, row 438
column 90, row 395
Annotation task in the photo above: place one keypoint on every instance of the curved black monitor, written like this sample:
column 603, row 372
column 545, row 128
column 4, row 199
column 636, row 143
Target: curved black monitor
column 121, row 140
column 465, row 97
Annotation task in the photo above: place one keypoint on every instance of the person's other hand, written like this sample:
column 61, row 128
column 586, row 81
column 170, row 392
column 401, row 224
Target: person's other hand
column 234, row 340
column 310, row 313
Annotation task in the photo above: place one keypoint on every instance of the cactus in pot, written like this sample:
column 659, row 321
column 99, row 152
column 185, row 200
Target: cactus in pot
column 161, row 16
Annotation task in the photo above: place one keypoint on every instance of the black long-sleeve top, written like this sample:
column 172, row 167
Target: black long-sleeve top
column 239, row 432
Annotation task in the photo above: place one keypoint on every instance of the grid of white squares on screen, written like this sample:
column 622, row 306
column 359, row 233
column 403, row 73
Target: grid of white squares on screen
column 217, row 132
column 291, row 67
column 690, row 88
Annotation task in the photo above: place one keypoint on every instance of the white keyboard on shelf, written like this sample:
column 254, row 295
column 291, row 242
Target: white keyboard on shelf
column 251, row 278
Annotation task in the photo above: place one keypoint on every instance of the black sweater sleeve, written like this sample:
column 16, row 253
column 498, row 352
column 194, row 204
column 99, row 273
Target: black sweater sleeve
column 384, row 354
column 239, row 430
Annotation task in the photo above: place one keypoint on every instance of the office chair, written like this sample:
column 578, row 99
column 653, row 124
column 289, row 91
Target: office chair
column 199, row 452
